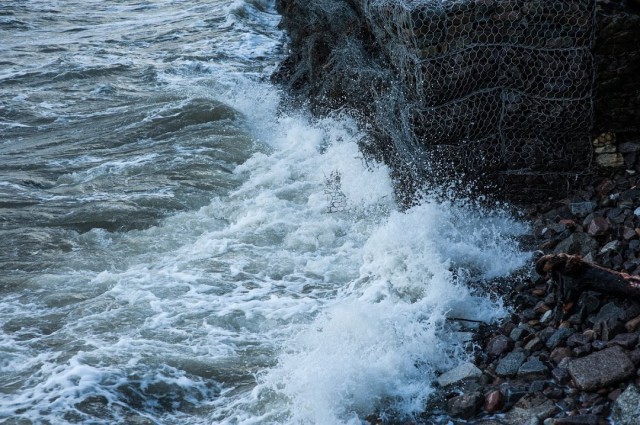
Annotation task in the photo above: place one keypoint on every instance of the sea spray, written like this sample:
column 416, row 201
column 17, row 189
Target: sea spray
column 191, row 272
column 377, row 339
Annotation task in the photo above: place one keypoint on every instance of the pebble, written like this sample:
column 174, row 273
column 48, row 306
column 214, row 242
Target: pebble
column 493, row 401
column 465, row 406
column 499, row 345
column 532, row 368
column 559, row 336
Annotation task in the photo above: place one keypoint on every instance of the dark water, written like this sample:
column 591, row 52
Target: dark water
column 166, row 250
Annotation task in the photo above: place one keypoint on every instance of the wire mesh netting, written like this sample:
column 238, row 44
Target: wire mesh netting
column 491, row 85
column 482, row 87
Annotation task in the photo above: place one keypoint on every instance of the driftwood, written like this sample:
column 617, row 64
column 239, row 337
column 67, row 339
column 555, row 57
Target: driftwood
column 572, row 276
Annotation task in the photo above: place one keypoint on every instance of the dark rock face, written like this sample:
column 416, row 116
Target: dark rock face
column 496, row 88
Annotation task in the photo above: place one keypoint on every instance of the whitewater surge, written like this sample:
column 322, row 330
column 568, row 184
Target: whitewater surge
column 375, row 336
column 174, row 255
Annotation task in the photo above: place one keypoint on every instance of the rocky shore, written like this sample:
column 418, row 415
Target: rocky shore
column 554, row 361
column 422, row 79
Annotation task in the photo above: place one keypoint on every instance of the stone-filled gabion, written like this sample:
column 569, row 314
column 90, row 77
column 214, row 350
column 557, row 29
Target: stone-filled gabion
column 491, row 85
column 526, row 95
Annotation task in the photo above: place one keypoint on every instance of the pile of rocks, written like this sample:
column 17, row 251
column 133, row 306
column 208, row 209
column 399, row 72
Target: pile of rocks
column 574, row 366
column 550, row 362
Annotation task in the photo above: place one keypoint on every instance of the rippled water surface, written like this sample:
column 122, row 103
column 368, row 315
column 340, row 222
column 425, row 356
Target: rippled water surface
column 168, row 248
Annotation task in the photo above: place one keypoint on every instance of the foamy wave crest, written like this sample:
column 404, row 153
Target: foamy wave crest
column 377, row 339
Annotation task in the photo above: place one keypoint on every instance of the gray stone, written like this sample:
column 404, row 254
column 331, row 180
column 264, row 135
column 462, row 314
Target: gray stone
column 579, row 420
column 611, row 246
column 531, row 409
column 533, row 367
column 498, row 345
column 608, row 311
column 521, row 332
column 582, row 208
column 628, row 147
column 509, row 364
column 465, row 371
column 626, row 409
column 601, row 369
column 546, row 317
column 534, row 345
column 577, row 243
column 559, row 336
column 513, row 392
column 465, row 406
column 626, row 340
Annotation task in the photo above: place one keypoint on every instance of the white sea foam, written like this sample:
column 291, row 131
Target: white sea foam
column 262, row 306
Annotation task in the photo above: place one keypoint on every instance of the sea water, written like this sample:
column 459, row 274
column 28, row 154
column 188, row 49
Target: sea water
column 178, row 246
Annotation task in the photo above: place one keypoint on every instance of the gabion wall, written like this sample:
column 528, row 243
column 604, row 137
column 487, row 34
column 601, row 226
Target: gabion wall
column 492, row 85
column 496, row 89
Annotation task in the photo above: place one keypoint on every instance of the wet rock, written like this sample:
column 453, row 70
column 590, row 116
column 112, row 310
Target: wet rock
column 499, row 345
column 546, row 317
column 560, row 375
column 613, row 246
column 577, row 243
column 513, row 392
column 609, row 321
column 629, row 233
column 534, row 344
column 464, row 372
column 537, row 386
column 581, row 350
column 578, row 339
column 509, row 364
column 531, row 409
column 626, row 340
column 532, row 368
column 626, row 409
column 601, row 369
column 521, row 332
column 559, row 353
column 559, row 337
column 465, row 406
column 598, row 226
column 610, row 310
column 580, row 420
column 493, row 401
column 634, row 356
column 582, row 208
column 633, row 324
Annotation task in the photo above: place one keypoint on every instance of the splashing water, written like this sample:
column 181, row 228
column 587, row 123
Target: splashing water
column 253, row 304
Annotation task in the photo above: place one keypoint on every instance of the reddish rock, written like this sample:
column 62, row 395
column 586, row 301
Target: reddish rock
column 465, row 406
column 613, row 395
column 499, row 345
column 493, row 402
column 559, row 353
column 598, row 226
column 605, row 187
column 632, row 324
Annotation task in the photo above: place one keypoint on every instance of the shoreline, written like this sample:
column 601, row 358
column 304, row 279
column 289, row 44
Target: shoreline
column 550, row 363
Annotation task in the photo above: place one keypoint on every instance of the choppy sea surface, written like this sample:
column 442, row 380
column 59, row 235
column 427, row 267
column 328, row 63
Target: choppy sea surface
column 179, row 247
